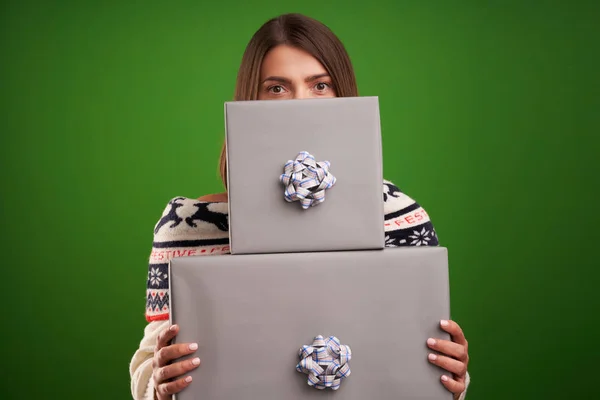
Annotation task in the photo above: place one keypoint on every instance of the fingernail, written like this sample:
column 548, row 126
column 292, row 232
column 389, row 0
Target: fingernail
column 196, row 361
column 444, row 322
column 172, row 328
column 188, row 379
column 193, row 346
column 431, row 342
column 432, row 357
column 444, row 378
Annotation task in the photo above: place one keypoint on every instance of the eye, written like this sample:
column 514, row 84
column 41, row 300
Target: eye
column 322, row 86
column 275, row 89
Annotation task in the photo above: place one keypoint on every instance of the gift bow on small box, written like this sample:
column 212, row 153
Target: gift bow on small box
column 325, row 362
column 306, row 180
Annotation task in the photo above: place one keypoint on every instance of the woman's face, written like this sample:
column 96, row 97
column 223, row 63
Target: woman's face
column 291, row 73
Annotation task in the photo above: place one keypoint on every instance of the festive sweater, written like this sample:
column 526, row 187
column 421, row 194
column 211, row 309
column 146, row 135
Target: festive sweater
column 189, row 227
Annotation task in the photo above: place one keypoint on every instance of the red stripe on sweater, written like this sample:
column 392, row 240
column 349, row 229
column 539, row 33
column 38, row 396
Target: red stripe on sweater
column 161, row 317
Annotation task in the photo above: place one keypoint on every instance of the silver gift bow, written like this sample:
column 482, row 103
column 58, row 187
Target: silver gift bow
column 325, row 362
column 306, row 180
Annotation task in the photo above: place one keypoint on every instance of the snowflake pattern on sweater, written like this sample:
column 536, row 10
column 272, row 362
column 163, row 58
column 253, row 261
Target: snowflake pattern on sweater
column 190, row 227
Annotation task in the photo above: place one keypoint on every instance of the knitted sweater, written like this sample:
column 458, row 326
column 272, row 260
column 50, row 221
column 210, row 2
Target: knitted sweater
column 191, row 227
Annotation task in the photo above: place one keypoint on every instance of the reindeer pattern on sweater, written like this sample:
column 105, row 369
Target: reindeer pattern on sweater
column 189, row 227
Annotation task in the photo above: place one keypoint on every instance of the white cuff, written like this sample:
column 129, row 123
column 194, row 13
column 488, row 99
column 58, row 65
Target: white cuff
column 463, row 395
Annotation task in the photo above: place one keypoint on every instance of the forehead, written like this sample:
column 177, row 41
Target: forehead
column 290, row 62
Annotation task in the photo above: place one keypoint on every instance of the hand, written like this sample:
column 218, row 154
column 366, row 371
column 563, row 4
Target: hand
column 162, row 369
column 454, row 357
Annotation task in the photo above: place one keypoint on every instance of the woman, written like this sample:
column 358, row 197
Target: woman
column 289, row 57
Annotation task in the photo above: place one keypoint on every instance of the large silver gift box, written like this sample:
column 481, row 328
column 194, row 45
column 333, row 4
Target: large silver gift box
column 251, row 314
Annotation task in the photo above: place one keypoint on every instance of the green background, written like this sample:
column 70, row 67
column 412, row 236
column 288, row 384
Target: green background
column 490, row 114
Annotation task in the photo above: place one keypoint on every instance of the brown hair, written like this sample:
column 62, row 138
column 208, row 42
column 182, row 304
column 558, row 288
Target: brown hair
column 304, row 33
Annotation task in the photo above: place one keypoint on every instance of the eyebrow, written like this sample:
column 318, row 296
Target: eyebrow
column 285, row 80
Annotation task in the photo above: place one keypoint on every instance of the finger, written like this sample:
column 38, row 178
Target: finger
column 174, row 351
column 166, row 389
column 449, row 364
column 166, row 336
column 173, row 370
column 448, row 348
column 455, row 331
column 453, row 385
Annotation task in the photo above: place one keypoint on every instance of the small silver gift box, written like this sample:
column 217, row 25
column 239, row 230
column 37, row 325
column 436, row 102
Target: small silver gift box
column 342, row 136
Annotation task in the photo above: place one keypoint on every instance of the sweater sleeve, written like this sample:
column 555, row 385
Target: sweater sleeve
column 140, row 367
column 408, row 224
column 186, row 227
column 463, row 395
